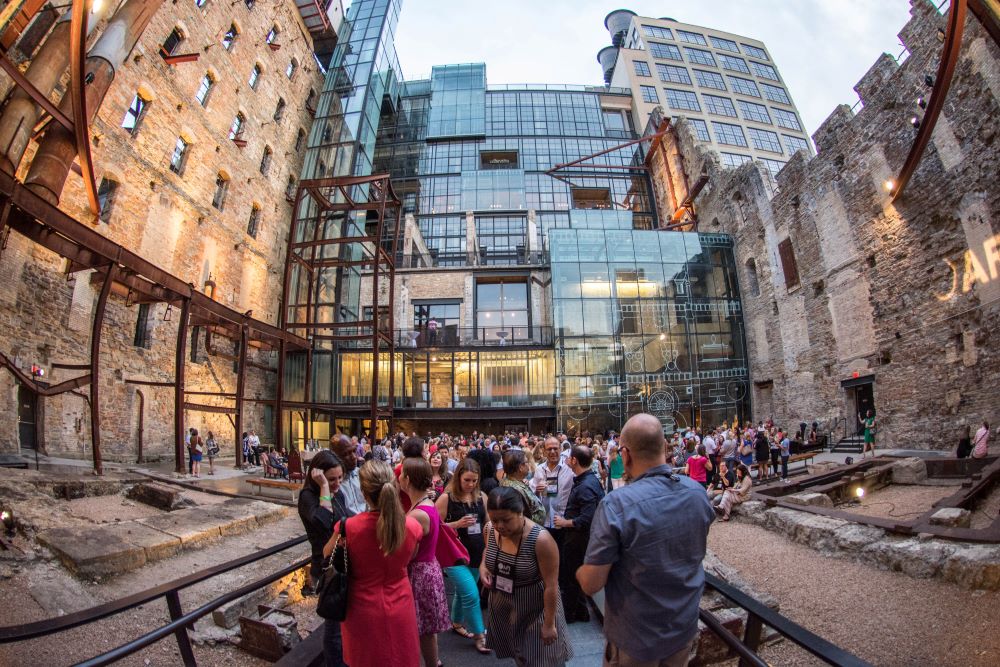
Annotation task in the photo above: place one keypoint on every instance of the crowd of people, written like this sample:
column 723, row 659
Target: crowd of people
column 542, row 521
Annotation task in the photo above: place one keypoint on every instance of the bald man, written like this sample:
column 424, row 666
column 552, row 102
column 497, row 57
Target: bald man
column 351, row 486
column 663, row 519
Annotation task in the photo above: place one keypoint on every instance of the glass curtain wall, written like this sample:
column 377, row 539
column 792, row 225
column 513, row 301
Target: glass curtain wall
column 647, row 321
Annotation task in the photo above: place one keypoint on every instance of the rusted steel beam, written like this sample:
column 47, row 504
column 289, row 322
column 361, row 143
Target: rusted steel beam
column 564, row 165
column 241, row 377
column 988, row 13
column 942, row 82
column 150, row 383
column 70, row 367
column 95, row 367
column 30, row 383
column 211, row 408
column 179, row 360
column 22, row 82
column 78, row 96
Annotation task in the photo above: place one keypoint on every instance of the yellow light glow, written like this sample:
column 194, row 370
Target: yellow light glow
column 889, row 185
column 663, row 336
column 4, row 516
column 96, row 7
column 859, row 492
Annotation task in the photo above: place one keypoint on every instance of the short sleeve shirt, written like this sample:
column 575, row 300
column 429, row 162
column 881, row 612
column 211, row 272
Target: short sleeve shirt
column 653, row 533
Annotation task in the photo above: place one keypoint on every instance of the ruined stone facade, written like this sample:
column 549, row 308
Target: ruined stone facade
column 174, row 220
column 842, row 287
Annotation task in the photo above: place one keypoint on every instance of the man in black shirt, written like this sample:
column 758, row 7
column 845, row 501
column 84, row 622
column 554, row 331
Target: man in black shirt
column 584, row 497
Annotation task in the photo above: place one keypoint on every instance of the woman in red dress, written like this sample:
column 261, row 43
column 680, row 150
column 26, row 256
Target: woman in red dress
column 380, row 543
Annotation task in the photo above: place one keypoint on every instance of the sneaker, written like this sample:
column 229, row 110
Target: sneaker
column 718, row 510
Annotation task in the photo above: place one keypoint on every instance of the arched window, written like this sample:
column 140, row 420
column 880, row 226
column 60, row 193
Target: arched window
column 179, row 156
column 221, row 187
column 753, row 283
column 265, row 160
column 106, row 198
column 279, row 110
column 293, row 66
column 204, row 89
column 172, row 41
column 254, row 222
column 311, row 102
column 290, row 189
column 254, row 76
column 300, row 139
column 236, row 129
column 230, row 37
column 272, row 35
column 135, row 114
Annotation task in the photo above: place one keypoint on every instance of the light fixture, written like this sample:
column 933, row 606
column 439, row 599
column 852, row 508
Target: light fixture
column 167, row 313
column 7, row 516
column 663, row 336
column 922, row 102
column 941, row 35
column 129, row 301
column 37, row 371
column 97, row 6
column 915, row 122
column 889, row 185
column 859, row 492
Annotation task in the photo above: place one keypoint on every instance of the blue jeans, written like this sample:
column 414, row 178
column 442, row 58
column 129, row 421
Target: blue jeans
column 465, row 604
column 784, row 467
column 333, row 644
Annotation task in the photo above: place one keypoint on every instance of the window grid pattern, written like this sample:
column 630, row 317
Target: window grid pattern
column 682, row 99
column 710, row 79
column 641, row 68
column 731, row 135
column 673, row 73
column 743, row 86
column 786, row 119
column 773, row 166
column 691, row 37
column 733, row 63
column 721, row 106
column 757, row 112
column 794, row 144
column 649, row 94
column 541, row 113
column 699, row 56
column 254, row 77
column 179, row 155
column 254, row 221
column 764, row 140
column 755, row 52
column 724, row 44
column 665, row 51
column 775, row 94
column 657, row 32
column 204, row 88
column 700, row 128
column 733, row 160
column 765, row 71
column 502, row 236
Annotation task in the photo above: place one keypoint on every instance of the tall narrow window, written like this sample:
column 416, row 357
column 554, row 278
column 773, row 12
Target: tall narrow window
column 134, row 115
column 204, row 89
column 249, row 3
column 300, row 139
column 272, row 35
column 200, row 3
column 290, row 188
column 254, row 221
column 752, row 280
column 179, row 157
column 265, row 161
column 221, row 187
column 230, row 37
column 279, row 110
column 173, row 40
column 236, row 129
column 502, row 310
column 311, row 102
column 141, row 338
column 254, row 77
column 293, row 66
column 106, row 198
column 788, row 266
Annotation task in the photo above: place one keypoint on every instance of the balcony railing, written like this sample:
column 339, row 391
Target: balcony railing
column 519, row 257
column 457, row 337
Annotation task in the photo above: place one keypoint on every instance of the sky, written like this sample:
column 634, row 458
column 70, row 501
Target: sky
column 821, row 47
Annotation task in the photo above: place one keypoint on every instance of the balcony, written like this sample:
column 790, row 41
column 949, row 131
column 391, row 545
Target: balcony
column 473, row 337
column 433, row 259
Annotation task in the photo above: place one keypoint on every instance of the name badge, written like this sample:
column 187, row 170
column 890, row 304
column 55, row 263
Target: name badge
column 504, row 580
column 552, row 486
column 475, row 529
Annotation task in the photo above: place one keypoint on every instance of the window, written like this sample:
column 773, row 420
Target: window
column 700, row 128
column 682, row 99
column 765, row 71
column 614, row 123
column 236, row 129
column 134, row 115
column 502, row 306
column 507, row 159
column 265, row 160
column 173, row 40
column 279, row 109
column 724, row 44
column 795, row 144
column 786, row 119
column 230, row 37
column 204, row 89
column 657, row 32
column 757, row 112
column 106, row 198
column 752, row 280
column 200, row 3
column 249, row 3
column 254, row 221
column 710, row 79
column 649, row 94
column 290, row 188
column 664, row 51
column 691, row 37
column 446, row 317
column 731, row 135
column 293, row 66
column 764, row 140
column 733, row 63
column 735, row 159
column 142, row 337
column 221, row 187
column 754, row 52
column 254, row 77
column 744, row 86
column 180, row 156
column 641, row 68
column 300, row 139
column 699, row 56
column 773, row 166
column 673, row 73
column 787, row 254
column 721, row 106
column 272, row 35
column 775, row 93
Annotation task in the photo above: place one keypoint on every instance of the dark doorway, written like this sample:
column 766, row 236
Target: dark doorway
column 864, row 400
column 26, row 417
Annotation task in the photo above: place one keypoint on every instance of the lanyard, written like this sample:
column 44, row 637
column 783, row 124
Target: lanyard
column 517, row 552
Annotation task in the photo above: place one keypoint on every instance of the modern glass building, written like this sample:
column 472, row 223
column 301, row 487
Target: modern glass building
column 528, row 294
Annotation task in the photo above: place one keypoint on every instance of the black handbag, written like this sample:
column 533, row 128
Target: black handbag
column 332, row 586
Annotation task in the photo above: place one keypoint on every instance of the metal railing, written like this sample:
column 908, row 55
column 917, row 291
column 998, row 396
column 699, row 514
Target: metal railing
column 455, row 337
column 179, row 621
column 434, row 259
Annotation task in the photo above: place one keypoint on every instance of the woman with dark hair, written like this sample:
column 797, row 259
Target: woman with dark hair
column 416, row 481
column 321, row 504
column 521, row 567
column 487, row 469
column 981, row 443
column 441, row 477
column 463, row 507
column 515, row 468
column 740, row 493
column 380, row 543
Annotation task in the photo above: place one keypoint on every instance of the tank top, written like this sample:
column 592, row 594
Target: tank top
column 474, row 542
column 428, row 543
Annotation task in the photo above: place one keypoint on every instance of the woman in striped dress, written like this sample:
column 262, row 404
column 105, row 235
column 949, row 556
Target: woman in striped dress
column 521, row 567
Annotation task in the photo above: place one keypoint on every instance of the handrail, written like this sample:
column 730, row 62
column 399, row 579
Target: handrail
column 16, row 633
column 747, row 657
column 819, row 647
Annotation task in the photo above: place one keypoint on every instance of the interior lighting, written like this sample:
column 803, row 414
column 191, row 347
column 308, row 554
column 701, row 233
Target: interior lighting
column 7, row 517
column 97, row 6
column 915, row 122
column 663, row 336
column 928, row 80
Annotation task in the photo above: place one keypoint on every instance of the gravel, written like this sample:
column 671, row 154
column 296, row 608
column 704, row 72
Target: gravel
column 886, row 618
column 899, row 501
column 986, row 512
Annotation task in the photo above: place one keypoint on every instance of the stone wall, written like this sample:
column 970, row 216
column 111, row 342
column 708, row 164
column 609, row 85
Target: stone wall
column 906, row 292
column 169, row 219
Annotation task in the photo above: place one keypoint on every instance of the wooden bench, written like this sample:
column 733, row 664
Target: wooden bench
column 294, row 487
column 805, row 457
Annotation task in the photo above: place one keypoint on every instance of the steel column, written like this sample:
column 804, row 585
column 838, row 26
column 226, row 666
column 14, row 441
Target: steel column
column 95, row 367
column 179, row 386
column 240, row 383
column 142, row 418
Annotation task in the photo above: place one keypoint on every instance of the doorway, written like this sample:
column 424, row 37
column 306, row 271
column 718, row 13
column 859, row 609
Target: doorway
column 863, row 398
column 27, row 402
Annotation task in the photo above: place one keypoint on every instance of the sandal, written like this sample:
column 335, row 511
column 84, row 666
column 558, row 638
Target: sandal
column 462, row 631
column 481, row 645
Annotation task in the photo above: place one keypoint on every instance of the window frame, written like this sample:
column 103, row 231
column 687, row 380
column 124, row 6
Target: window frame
column 235, row 32
column 641, row 68
column 718, row 105
column 683, row 100
column 645, row 92
column 139, row 115
column 221, row 191
column 707, row 75
column 180, row 37
column 203, row 99
column 673, row 69
column 736, row 84
column 178, row 160
column 765, row 140
column 657, row 50
column 265, row 160
column 756, row 110
column 723, row 129
column 256, row 72
column 253, row 223
column 106, row 199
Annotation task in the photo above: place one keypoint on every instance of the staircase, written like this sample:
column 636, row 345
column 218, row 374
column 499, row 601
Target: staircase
column 852, row 444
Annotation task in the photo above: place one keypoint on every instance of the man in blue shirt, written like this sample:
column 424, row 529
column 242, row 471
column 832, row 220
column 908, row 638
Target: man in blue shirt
column 647, row 543
column 575, row 524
